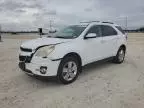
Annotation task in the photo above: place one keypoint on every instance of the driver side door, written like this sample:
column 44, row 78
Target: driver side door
column 93, row 46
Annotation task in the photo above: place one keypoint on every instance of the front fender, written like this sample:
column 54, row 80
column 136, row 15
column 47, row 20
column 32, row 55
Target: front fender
column 63, row 49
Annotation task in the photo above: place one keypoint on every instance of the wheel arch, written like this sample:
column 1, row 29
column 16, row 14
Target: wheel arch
column 123, row 46
column 74, row 54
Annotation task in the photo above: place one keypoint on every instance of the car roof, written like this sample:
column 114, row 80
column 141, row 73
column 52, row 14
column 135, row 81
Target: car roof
column 97, row 23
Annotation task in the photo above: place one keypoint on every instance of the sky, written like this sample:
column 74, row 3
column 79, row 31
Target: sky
column 32, row 14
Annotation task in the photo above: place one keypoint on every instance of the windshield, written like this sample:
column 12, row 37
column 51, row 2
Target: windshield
column 70, row 32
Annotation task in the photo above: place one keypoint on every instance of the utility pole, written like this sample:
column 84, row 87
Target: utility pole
column 0, row 34
column 50, row 25
column 126, row 22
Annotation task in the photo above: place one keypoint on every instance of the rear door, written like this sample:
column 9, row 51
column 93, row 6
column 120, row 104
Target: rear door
column 109, row 40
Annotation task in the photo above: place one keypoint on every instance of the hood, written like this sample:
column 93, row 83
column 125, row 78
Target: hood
column 35, row 43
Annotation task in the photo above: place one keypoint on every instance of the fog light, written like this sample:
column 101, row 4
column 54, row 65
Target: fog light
column 43, row 70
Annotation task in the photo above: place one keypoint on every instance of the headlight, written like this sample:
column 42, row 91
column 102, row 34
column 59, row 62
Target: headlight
column 44, row 51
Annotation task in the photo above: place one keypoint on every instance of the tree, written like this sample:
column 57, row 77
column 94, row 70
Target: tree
column 141, row 29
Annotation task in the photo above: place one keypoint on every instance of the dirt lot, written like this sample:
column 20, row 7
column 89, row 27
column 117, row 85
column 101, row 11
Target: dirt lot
column 104, row 85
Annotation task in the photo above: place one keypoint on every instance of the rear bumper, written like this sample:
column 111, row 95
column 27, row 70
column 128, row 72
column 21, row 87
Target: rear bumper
column 34, row 67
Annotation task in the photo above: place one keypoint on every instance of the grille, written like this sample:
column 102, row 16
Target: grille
column 26, row 49
column 25, row 59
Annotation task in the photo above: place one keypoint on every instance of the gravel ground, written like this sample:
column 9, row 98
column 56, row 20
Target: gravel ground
column 104, row 85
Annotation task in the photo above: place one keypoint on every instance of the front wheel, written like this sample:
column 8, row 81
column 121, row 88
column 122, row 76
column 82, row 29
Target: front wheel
column 119, row 58
column 69, row 69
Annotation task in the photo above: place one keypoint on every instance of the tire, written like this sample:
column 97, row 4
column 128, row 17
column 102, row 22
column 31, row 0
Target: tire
column 69, row 67
column 119, row 58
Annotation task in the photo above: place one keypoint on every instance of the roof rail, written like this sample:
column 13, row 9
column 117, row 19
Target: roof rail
column 89, row 21
column 97, row 21
column 108, row 22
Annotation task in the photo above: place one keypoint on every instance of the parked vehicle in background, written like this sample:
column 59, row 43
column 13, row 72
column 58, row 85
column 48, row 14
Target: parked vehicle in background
column 71, row 48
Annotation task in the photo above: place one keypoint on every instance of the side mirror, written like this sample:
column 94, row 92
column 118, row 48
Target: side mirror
column 91, row 35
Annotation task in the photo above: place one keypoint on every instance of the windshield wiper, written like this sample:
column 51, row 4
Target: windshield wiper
column 59, row 37
column 49, row 36
column 63, row 37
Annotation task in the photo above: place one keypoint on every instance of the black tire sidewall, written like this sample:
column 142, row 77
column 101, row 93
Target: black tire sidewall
column 117, row 56
column 62, row 63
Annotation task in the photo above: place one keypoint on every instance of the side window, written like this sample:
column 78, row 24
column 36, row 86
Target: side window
column 120, row 29
column 95, row 29
column 108, row 30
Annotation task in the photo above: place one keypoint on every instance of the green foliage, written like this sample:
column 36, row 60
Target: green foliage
column 141, row 29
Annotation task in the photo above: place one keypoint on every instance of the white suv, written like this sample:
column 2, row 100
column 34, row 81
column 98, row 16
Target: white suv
column 64, row 54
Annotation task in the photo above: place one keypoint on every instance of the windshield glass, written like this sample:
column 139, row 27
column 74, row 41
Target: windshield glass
column 70, row 32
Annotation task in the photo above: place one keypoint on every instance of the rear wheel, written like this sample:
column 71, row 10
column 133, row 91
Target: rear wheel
column 69, row 69
column 119, row 58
